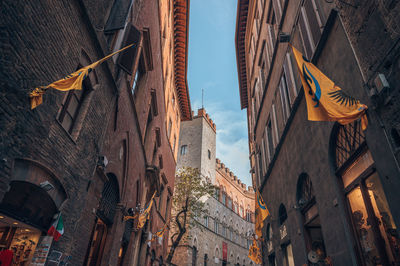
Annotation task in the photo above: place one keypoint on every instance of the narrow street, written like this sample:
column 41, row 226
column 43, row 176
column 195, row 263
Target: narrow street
column 203, row 132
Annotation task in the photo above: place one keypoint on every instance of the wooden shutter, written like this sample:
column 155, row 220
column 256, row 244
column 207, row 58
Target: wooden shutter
column 117, row 17
column 126, row 59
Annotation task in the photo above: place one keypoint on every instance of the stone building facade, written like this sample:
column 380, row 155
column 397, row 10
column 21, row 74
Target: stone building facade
column 223, row 236
column 332, row 189
column 94, row 155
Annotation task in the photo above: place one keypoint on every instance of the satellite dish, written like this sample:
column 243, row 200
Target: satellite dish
column 313, row 256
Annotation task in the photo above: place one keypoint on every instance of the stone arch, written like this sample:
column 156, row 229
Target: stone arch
column 29, row 203
column 40, row 175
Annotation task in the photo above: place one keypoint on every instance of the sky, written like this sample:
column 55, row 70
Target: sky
column 212, row 67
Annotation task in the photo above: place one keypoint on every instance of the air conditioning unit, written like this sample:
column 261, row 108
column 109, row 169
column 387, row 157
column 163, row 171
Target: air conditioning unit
column 380, row 93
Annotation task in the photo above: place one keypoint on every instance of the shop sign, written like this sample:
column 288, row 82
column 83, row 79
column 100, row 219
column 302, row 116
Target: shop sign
column 41, row 251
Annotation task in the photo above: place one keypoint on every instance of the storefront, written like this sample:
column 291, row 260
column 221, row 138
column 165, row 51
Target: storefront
column 27, row 211
column 374, row 230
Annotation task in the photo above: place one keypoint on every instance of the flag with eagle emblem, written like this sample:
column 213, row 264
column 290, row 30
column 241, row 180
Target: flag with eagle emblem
column 325, row 100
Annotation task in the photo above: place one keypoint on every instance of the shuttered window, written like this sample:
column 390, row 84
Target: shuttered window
column 118, row 15
column 126, row 59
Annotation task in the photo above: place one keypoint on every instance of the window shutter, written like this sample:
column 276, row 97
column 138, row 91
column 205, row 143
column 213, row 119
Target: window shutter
column 127, row 58
column 117, row 17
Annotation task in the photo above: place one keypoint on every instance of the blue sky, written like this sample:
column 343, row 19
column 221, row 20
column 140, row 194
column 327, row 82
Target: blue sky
column 212, row 67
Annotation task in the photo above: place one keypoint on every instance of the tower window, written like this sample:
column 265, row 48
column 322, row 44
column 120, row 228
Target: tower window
column 183, row 149
column 209, row 154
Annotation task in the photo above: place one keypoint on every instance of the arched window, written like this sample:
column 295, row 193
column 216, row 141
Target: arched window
column 109, row 200
column 368, row 208
column 282, row 214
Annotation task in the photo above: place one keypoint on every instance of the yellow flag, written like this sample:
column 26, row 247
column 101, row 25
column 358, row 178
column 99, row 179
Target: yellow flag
column 144, row 216
column 254, row 253
column 126, row 218
column 325, row 100
column 71, row 82
column 261, row 214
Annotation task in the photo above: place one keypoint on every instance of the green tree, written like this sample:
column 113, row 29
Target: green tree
column 190, row 193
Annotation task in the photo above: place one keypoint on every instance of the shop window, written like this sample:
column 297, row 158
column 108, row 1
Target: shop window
column 374, row 229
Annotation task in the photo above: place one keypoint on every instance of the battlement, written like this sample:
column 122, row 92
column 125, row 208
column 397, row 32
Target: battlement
column 233, row 178
column 202, row 113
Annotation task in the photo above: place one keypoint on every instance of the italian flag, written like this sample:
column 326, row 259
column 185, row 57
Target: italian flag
column 57, row 228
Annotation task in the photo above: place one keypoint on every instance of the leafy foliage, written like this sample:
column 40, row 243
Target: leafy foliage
column 190, row 193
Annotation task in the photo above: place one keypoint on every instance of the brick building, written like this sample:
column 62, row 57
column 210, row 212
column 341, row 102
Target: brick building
column 223, row 236
column 93, row 155
column 332, row 190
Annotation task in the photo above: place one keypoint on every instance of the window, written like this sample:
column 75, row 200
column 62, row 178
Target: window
column 183, row 149
column 282, row 214
column 289, row 77
column 216, row 226
column 160, row 198
column 166, row 208
column 194, row 256
column 224, row 198
column 70, row 108
column 284, row 97
column 230, row 203
column 169, row 128
column 209, row 154
column 206, row 221
column 205, row 259
column 216, row 194
column 270, row 142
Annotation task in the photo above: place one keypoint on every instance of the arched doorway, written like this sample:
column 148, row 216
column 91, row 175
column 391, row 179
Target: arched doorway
column 374, row 229
column 104, row 220
column 312, row 225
